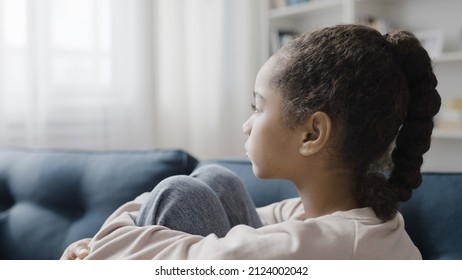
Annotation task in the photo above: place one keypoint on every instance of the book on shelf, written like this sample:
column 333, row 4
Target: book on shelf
column 281, row 38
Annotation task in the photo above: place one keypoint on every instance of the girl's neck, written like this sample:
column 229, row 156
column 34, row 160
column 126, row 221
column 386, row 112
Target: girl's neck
column 328, row 192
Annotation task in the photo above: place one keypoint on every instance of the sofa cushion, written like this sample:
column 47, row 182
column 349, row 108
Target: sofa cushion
column 433, row 216
column 50, row 198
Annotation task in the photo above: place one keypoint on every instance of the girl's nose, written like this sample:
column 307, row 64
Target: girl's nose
column 247, row 127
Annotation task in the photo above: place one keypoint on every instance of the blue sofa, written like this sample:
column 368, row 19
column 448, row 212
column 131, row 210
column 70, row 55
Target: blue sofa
column 50, row 198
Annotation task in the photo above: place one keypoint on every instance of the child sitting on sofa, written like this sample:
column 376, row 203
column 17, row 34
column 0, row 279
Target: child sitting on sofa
column 330, row 108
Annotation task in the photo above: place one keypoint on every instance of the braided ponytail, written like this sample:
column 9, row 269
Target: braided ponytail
column 414, row 137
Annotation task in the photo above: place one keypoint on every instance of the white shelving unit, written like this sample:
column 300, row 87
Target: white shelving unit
column 304, row 9
column 454, row 56
column 414, row 15
column 447, row 134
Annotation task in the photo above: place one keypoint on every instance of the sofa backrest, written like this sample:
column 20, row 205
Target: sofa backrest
column 50, row 198
column 433, row 216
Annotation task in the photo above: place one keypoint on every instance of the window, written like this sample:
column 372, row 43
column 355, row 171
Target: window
column 67, row 72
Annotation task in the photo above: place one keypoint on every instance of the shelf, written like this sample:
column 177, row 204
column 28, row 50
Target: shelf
column 446, row 146
column 303, row 8
column 448, row 57
column 439, row 133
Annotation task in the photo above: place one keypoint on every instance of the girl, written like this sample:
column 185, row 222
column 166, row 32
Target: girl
column 330, row 107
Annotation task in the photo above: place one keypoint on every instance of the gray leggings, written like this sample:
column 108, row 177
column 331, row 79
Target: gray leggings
column 211, row 200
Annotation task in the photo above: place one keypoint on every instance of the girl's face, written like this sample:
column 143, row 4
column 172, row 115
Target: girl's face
column 271, row 146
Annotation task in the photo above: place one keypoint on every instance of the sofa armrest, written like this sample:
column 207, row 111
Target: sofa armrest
column 50, row 198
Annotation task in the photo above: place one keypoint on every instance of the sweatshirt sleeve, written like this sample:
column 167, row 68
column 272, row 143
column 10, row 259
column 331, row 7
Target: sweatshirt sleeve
column 120, row 238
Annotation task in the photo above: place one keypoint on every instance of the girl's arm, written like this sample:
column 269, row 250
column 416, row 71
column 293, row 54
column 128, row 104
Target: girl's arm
column 120, row 238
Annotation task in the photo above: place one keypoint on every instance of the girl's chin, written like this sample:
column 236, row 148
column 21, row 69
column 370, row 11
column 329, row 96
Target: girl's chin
column 267, row 174
column 258, row 172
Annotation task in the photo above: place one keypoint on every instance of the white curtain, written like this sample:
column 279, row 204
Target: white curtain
column 209, row 53
column 126, row 74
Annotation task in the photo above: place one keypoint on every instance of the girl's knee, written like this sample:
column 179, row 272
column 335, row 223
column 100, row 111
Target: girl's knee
column 215, row 172
column 224, row 182
column 186, row 204
column 179, row 186
column 177, row 191
column 213, row 169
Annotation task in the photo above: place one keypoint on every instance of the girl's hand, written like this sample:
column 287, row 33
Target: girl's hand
column 77, row 250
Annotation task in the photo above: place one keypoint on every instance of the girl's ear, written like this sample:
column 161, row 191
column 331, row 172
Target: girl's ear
column 316, row 133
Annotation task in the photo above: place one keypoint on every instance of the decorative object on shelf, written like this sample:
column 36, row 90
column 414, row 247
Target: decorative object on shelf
column 450, row 118
column 432, row 41
column 295, row 2
column 276, row 4
column 455, row 104
column 382, row 25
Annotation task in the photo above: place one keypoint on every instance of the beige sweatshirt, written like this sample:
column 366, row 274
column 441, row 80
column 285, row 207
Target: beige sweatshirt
column 354, row 234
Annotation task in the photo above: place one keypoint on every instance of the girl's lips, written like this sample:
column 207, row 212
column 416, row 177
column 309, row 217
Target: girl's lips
column 247, row 152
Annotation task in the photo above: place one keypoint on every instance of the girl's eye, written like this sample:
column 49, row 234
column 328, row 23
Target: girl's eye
column 254, row 107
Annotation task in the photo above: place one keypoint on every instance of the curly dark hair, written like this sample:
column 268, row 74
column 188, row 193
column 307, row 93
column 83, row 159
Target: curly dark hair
column 380, row 93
